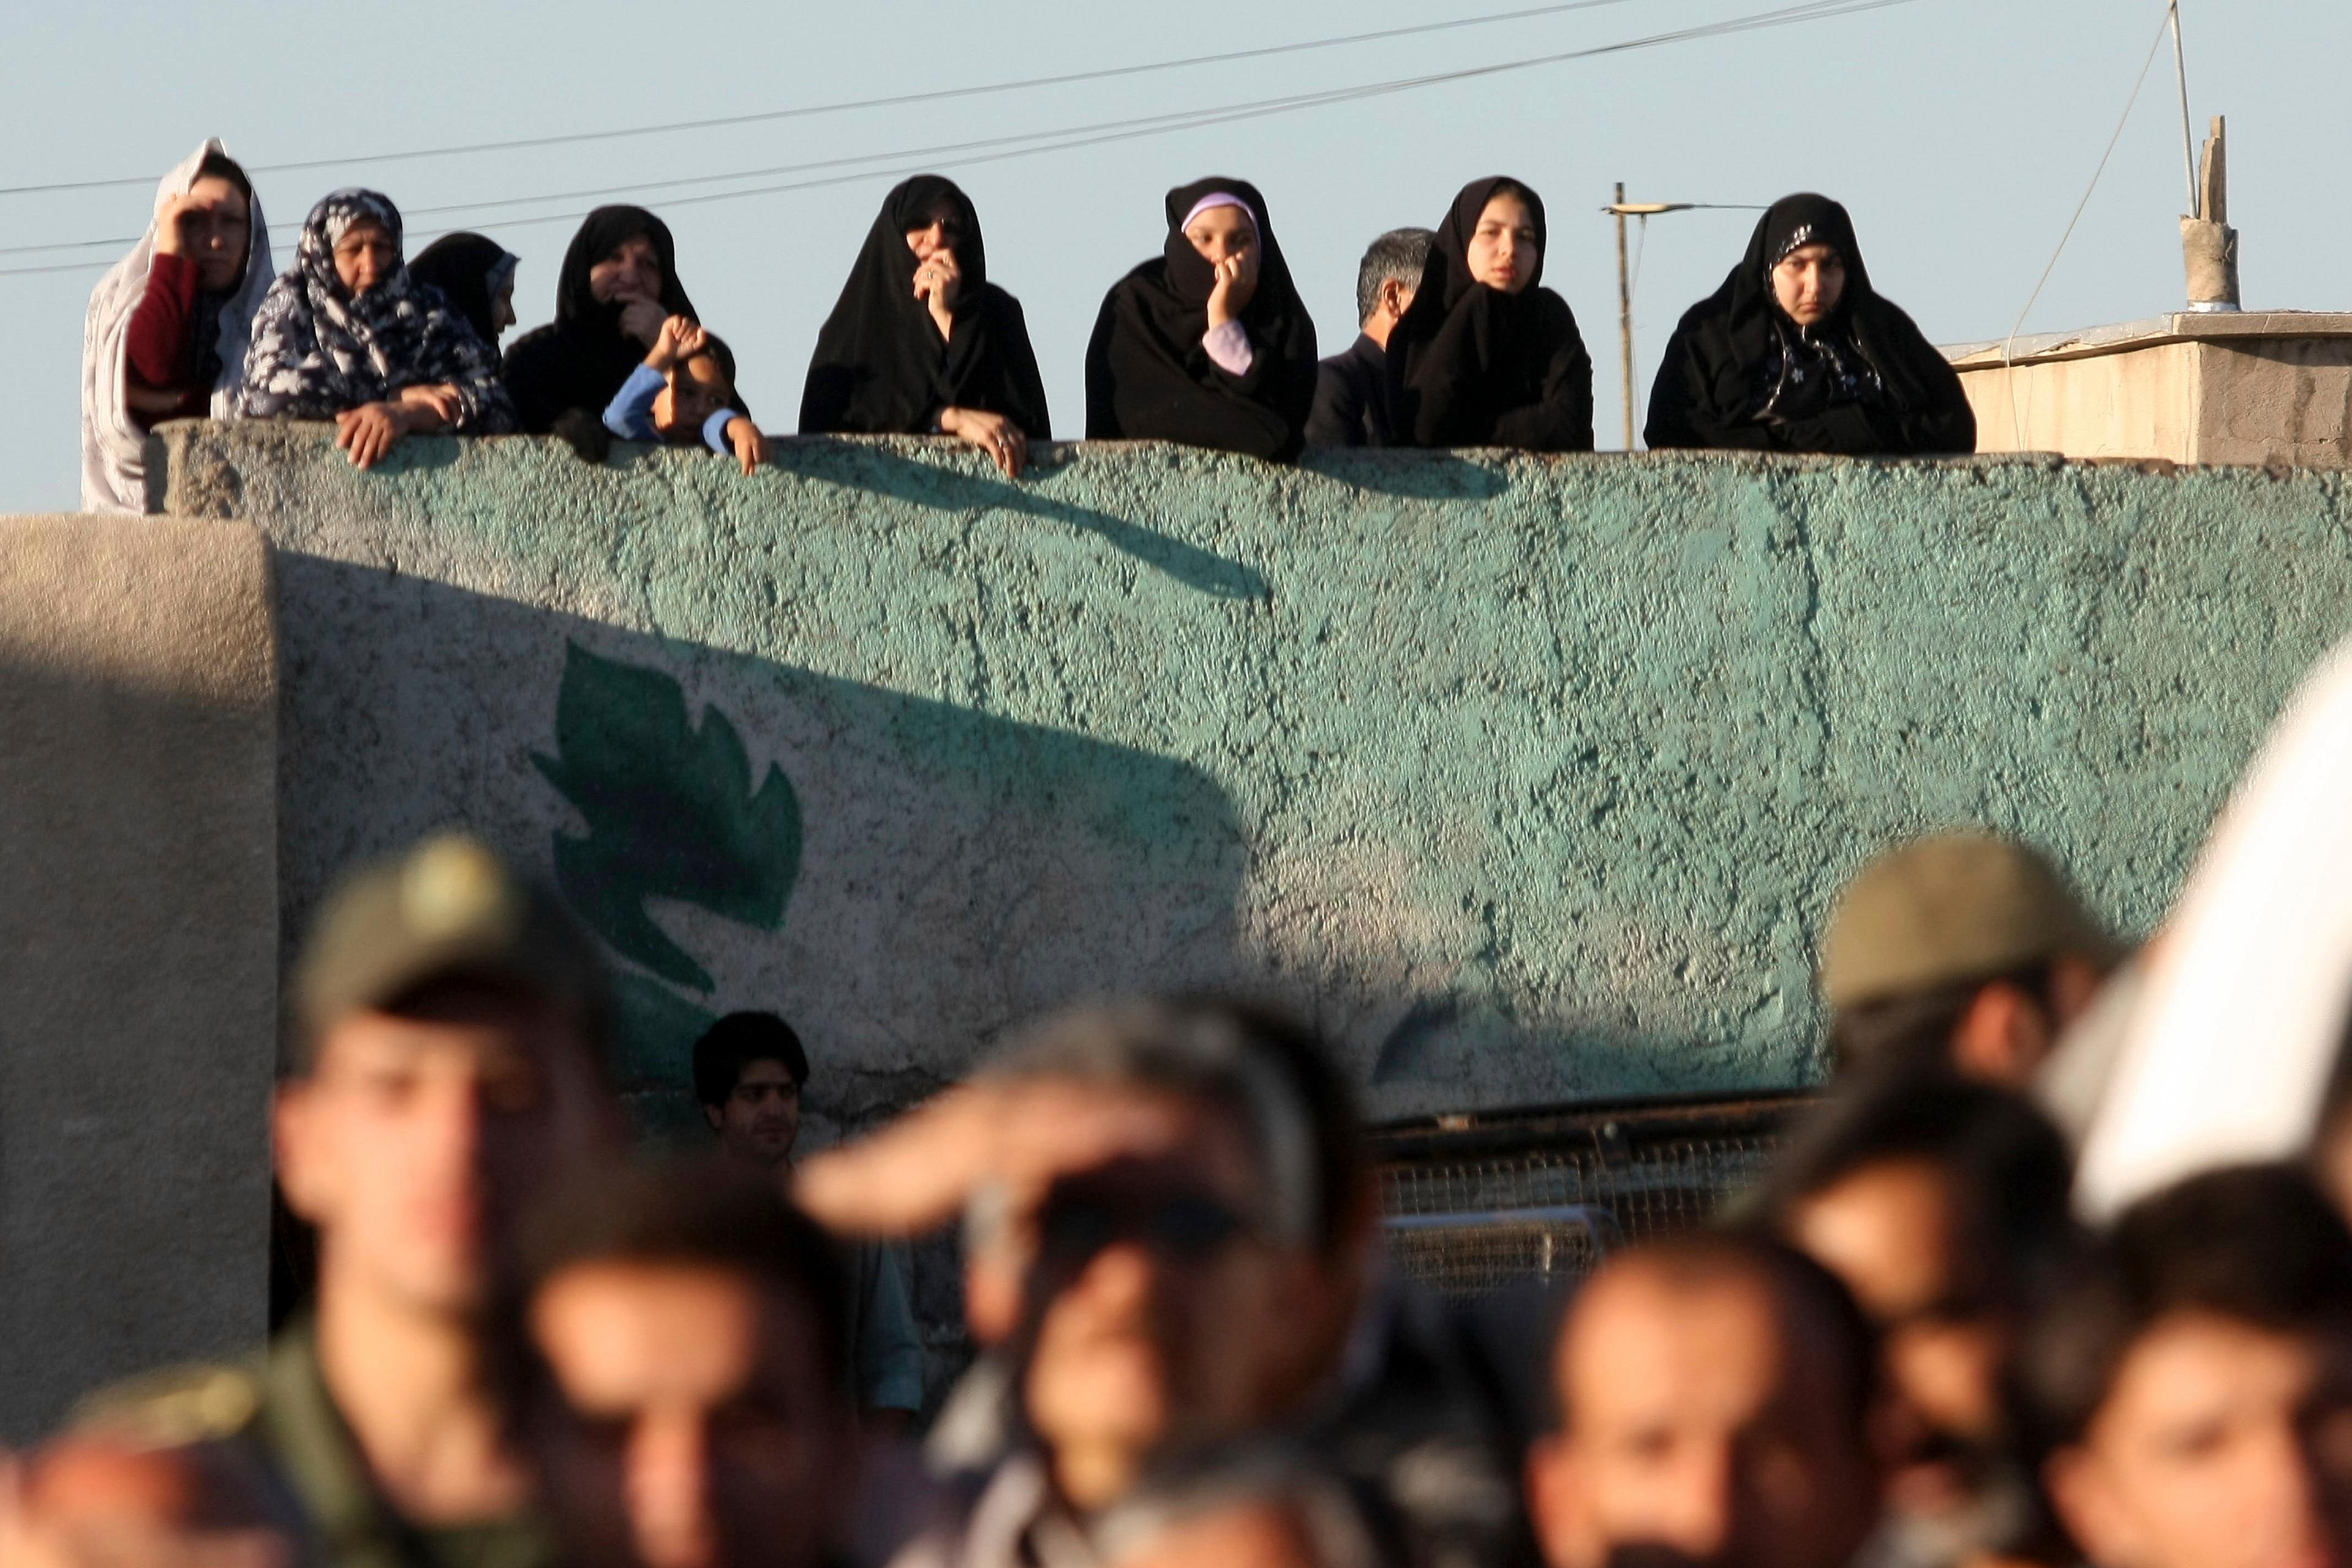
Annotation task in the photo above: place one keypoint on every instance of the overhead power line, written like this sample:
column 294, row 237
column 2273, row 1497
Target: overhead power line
column 1073, row 137
column 899, row 100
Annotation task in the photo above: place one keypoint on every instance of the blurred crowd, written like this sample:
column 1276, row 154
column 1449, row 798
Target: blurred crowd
column 2055, row 1271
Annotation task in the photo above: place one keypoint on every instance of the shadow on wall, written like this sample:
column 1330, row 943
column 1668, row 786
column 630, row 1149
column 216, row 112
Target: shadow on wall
column 137, row 1016
column 889, row 473
column 903, row 878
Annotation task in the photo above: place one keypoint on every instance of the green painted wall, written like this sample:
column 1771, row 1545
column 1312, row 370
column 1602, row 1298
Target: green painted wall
column 1532, row 778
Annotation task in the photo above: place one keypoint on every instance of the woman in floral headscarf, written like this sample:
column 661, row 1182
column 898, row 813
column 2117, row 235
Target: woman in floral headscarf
column 349, row 335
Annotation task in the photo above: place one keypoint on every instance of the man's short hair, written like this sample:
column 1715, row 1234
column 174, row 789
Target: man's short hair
column 734, row 1043
column 1292, row 1104
column 693, row 1215
column 2255, row 1244
column 1396, row 256
column 2009, row 1170
column 1808, row 1296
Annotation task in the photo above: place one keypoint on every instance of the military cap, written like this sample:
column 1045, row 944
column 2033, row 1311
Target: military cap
column 448, row 909
column 1947, row 909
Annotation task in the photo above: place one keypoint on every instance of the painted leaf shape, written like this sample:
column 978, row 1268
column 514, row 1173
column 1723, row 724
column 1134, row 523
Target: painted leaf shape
column 671, row 814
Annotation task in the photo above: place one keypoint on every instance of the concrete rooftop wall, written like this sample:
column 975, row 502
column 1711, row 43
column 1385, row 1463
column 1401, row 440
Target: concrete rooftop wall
column 138, row 950
column 1533, row 779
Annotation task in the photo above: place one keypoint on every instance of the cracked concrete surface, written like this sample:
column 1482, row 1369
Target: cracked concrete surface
column 1531, row 778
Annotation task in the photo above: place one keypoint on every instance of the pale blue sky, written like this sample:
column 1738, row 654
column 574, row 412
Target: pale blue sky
column 1961, row 132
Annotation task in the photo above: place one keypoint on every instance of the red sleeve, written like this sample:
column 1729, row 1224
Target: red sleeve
column 159, row 327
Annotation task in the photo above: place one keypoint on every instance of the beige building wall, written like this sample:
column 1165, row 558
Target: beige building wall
column 138, row 949
column 2249, row 388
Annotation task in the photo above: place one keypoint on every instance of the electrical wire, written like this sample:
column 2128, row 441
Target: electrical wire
column 1070, row 138
column 900, row 100
column 2009, row 349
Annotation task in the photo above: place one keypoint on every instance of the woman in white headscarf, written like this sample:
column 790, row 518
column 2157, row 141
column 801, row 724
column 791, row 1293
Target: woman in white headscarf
column 168, row 328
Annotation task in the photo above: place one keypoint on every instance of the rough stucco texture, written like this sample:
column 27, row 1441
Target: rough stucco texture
column 138, row 950
column 1534, row 779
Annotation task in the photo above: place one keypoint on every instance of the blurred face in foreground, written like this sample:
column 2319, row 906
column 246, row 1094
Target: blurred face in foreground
column 1892, row 1232
column 1161, row 1318
column 1703, row 1427
column 2221, row 1445
column 419, row 1136
column 701, row 1428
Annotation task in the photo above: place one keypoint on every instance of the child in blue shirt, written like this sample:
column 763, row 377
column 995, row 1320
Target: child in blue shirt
column 683, row 394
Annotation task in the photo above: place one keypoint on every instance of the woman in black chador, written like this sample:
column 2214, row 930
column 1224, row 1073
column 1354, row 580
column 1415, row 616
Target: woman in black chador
column 1797, row 353
column 1486, row 356
column 619, row 283
column 1209, row 343
column 921, row 342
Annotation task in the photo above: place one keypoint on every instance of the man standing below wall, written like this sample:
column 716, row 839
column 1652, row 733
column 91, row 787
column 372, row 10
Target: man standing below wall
column 748, row 1071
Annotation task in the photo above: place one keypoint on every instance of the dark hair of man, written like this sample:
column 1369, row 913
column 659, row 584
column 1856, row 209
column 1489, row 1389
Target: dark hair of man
column 1396, row 256
column 2254, row 1244
column 1810, row 1299
column 691, row 1215
column 732, row 1045
column 1223, row 1051
column 221, row 167
column 2008, row 1168
column 1913, row 1032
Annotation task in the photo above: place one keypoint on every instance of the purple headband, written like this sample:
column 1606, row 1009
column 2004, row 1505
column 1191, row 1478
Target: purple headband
column 1219, row 199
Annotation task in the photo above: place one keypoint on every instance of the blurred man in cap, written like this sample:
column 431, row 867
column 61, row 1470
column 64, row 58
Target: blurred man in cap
column 1961, row 952
column 446, row 1037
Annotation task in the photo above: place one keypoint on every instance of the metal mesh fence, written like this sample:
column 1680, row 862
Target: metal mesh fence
column 1479, row 1204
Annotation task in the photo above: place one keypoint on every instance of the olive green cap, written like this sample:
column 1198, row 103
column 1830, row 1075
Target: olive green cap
column 448, row 909
column 1953, row 908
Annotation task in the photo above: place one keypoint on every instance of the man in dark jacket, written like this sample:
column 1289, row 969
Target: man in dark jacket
column 1352, row 406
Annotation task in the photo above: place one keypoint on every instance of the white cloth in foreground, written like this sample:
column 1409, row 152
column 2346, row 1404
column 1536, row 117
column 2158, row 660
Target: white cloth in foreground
column 113, row 446
column 2230, row 1051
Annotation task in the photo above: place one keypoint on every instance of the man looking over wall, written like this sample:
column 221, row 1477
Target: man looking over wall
column 1351, row 396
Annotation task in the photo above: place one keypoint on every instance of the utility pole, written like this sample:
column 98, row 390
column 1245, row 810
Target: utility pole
column 1620, row 209
column 2188, row 146
column 1624, row 312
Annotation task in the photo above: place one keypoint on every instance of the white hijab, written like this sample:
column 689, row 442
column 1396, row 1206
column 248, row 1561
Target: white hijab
column 2231, row 1049
column 113, row 446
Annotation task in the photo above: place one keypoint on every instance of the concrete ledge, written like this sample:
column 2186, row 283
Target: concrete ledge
column 138, row 949
column 1531, row 778
column 2180, row 327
